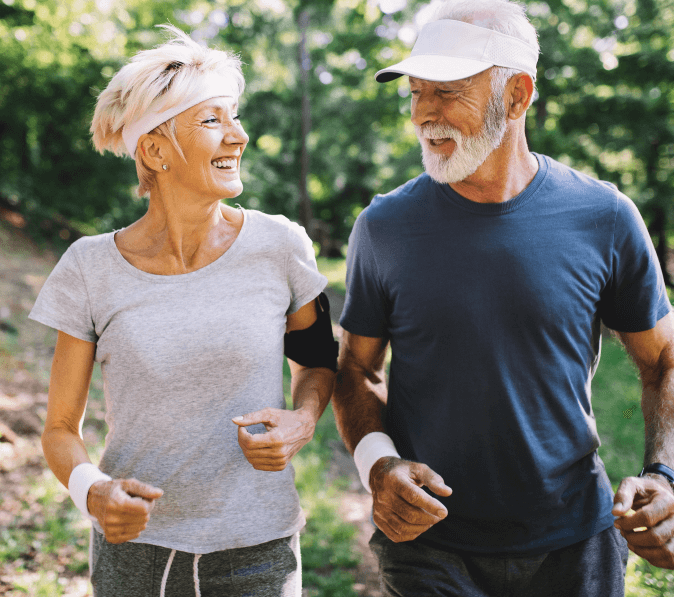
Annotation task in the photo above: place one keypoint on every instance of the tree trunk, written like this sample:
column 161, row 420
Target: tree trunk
column 305, row 215
column 658, row 227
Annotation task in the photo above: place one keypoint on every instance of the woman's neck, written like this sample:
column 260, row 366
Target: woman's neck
column 176, row 237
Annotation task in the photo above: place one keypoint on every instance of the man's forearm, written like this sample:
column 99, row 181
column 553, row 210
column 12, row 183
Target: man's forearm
column 658, row 409
column 358, row 402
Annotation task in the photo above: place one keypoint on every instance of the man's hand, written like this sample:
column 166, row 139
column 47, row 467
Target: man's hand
column 402, row 510
column 122, row 507
column 652, row 499
column 287, row 432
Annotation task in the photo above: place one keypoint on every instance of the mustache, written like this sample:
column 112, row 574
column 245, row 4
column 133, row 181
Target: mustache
column 437, row 131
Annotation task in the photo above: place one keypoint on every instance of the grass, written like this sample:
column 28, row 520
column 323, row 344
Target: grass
column 327, row 543
column 335, row 271
column 616, row 398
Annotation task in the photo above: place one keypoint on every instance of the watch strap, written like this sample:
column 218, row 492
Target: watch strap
column 659, row 469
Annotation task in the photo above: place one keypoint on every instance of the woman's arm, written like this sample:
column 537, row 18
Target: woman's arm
column 122, row 506
column 310, row 387
column 289, row 430
column 68, row 391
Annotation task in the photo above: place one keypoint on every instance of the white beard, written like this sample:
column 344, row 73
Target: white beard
column 470, row 151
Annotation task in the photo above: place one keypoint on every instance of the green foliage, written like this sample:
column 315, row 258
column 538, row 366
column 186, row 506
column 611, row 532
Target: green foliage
column 327, row 541
column 616, row 399
column 616, row 402
column 605, row 105
column 335, row 271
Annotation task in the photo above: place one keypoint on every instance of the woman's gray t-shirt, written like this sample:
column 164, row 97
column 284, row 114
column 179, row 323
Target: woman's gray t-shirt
column 181, row 356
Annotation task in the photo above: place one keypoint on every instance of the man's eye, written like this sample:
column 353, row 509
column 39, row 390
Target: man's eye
column 211, row 120
column 236, row 117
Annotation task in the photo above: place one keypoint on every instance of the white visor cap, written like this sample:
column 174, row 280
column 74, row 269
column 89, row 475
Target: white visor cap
column 209, row 86
column 448, row 50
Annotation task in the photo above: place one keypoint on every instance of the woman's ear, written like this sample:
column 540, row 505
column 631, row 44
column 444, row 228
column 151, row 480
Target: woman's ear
column 521, row 95
column 153, row 152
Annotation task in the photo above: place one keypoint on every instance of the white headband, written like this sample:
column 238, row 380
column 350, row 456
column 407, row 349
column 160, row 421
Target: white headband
column 448, row 50
column 211, row 85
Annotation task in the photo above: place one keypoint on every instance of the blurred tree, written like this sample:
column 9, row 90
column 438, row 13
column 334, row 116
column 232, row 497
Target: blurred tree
column 605, row 102
column 358, row 143
column 55, row 56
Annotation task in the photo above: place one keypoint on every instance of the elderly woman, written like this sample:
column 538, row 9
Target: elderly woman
column 187, row 310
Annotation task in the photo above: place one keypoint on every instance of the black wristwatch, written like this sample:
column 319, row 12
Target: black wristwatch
column 659, row 469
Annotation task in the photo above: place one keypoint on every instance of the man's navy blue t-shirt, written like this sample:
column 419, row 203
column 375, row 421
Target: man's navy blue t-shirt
column 493, row 313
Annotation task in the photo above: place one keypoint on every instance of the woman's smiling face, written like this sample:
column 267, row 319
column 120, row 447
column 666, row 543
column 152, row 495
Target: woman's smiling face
column 212, row 140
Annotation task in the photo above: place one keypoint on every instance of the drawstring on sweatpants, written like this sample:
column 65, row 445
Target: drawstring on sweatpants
column 164, row 579
column 196, row 574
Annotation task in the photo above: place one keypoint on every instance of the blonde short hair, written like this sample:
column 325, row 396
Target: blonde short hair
column 156, row 78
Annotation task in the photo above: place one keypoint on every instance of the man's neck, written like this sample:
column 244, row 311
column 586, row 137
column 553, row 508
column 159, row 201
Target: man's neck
column 507, row 171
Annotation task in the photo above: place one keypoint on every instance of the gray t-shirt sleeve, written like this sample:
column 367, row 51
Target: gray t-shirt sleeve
column 63, row 302
column 304, row 280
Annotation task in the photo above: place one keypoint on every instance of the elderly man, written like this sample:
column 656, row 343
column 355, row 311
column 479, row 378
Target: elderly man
column 489, row 276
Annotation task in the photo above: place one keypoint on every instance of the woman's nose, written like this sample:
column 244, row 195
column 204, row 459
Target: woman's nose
column 236, row 136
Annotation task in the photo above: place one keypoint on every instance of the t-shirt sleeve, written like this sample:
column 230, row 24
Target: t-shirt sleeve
column 63, row 302
column 635, row 298
column 304, row 280
column 365, row 308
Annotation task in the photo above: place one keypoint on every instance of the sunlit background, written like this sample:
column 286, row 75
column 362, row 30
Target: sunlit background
column 604, row 102
column 324, row 139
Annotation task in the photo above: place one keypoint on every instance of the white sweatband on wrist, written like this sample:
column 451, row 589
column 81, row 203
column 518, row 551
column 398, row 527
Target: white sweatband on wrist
column 81, row 479
column 371, row 448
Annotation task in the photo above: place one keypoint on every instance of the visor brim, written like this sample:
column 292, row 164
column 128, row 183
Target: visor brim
column 433, row 68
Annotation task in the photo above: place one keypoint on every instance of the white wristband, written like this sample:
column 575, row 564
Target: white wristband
column 371, row 448
column 81, row 479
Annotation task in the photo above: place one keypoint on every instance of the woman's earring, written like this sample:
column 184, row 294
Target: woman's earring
column 165, row 166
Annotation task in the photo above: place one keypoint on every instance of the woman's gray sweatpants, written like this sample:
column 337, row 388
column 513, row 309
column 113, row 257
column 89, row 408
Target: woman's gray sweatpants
column 270, row 569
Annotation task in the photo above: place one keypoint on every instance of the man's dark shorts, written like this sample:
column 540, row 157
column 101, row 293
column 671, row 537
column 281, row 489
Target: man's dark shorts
column 592, row 568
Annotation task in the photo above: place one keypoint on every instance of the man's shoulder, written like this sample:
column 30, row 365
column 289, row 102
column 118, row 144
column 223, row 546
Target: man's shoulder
column 396, row 204
column 580, row 183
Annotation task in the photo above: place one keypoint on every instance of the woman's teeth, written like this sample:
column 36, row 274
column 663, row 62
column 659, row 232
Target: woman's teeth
column 224, row 164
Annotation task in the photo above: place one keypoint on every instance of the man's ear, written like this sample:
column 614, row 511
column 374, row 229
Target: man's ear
column 521, row 88
column 153, row 152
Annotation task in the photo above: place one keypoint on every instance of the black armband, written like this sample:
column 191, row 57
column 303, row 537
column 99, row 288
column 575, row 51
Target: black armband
column 314, row 346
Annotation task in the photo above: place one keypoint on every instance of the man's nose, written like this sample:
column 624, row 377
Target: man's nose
column 425, row 109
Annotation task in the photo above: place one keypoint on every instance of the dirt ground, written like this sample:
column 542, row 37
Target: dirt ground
column 26, row 350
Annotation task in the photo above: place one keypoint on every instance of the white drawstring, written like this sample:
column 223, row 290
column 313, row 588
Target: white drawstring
column 166, row 573
column 164, row 579
column 196, row 574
